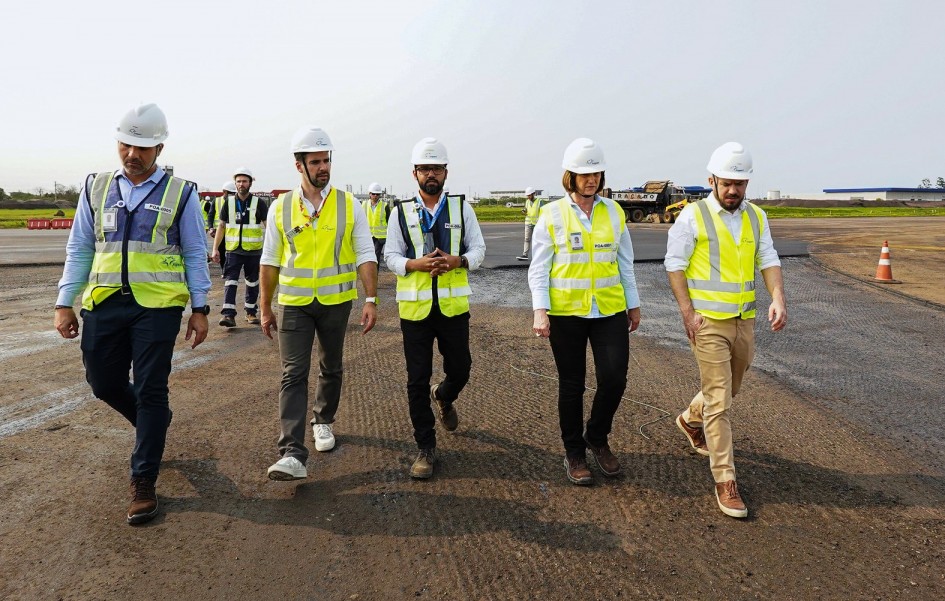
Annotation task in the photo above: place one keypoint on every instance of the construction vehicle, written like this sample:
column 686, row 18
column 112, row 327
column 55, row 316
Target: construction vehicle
column 662, row 198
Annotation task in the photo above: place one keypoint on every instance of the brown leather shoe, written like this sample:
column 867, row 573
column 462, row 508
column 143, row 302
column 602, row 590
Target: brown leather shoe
column 448, row 416
column 422, row 467
column 695, row 435
column 730, row 502
column 577, row 470
column 606, row 461
column 144, row 503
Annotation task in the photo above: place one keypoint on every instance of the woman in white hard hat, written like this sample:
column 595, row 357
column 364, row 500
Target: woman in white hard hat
column 584, row 290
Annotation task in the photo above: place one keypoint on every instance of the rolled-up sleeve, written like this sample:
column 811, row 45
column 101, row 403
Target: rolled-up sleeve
column 363, row 243
column 395, row 249
column 475, row 243
column 680, row 241
column 272, row 242
column 766, row 256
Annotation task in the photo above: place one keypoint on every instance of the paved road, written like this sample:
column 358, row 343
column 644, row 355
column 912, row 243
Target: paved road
column 503, row 244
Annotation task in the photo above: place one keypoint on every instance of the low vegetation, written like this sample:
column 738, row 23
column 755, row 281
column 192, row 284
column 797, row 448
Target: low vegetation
column 14, row 218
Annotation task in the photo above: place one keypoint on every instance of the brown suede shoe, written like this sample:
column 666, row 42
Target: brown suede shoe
column 730, row 502
column 144, row 503
column 422, row 467
column 448, row 416
column 606, row 461
column 577, row 470
column 695, row 435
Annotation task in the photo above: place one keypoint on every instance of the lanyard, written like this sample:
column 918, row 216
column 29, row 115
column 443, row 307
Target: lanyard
column 309, row 219
column 426, row 219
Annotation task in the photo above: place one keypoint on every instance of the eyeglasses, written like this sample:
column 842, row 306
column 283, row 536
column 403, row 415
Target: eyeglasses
column 428, row 169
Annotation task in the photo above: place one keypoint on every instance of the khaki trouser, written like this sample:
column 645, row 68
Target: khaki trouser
column 724, row 350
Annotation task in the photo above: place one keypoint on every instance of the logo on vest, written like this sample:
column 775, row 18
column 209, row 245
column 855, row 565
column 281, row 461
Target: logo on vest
column 603, row 246
column 173, row 262
column 159, row 208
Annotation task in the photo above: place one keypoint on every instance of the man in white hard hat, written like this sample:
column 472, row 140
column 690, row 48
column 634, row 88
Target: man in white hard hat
column 377, row 215
column 138, row 249
column 317, row 245
column 712, row 253
column 433, row 241
column 228, row 189
column 240, row 229
column 530, row 210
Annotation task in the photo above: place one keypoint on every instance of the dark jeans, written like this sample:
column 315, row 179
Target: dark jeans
column 298, row 328
column 610, row 343
column 379, row 249
column 249, row 264
column 452, row 336
column 121, row 335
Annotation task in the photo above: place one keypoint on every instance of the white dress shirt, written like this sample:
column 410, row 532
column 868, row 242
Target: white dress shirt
column 272, row 244
column 395, row 251
column 681, row 240
column 543, row 252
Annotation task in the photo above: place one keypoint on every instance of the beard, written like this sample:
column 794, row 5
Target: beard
column 431, row 186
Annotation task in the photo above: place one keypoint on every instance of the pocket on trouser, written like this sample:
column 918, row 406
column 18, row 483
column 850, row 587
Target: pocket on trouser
column 286, row 320
column 89, row 330
column 159, row 325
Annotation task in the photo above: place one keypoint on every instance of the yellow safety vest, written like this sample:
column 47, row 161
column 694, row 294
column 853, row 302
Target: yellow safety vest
column 531, row 211
column 248, row 235
column 584, row 265
column 150, row 239
column 317, row 261
column 721, row 271
column 218, row 206
column 377, row 219
column 415, row 290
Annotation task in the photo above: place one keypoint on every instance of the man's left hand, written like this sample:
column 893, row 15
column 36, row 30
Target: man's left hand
column 368, row 317
column 197, row 326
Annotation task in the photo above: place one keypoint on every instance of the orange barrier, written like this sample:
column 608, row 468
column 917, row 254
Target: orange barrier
column 61, row 223
column 884, row 269
column 39, row 224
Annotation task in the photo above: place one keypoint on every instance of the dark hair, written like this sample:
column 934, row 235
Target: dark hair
column 300, row 156
column 569, row 182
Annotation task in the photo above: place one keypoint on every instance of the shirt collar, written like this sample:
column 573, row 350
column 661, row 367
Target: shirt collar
column 325, row 192
column 153, row 178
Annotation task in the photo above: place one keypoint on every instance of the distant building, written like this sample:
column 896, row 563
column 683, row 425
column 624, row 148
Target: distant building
column 913, row 194
column 496, row 194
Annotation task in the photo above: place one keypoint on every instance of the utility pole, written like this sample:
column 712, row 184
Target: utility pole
column 55, row 190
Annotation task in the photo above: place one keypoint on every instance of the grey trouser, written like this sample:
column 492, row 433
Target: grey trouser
column 529, row 228
column 298, row 327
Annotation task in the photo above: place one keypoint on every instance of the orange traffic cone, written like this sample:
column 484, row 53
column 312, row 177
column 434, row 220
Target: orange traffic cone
column 884, row 269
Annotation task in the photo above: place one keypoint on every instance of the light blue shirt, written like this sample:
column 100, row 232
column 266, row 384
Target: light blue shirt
column 543, row 252
column 80, row 249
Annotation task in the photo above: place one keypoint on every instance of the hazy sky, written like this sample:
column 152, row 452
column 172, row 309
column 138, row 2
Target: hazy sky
column 824, row 94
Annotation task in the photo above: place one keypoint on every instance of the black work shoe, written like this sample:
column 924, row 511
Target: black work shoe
column 422, row 467
column 577, row 470
column 144, row 503
column 448, row 416
column 227, row 321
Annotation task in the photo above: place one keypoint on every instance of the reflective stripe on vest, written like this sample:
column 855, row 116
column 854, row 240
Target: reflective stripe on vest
column 721, row 271
column 591, row 272
column 318, row 261
column 249, row 235
column 146, row 241
column 415, row 290
column 377, row 219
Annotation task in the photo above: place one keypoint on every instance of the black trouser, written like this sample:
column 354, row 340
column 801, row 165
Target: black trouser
column 120, row 335
column 379, row 249
column 249, row 264
column 610, row 343
column 452, row 336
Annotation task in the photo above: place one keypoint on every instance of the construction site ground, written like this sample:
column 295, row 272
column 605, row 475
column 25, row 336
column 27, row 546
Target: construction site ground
column 838, row 434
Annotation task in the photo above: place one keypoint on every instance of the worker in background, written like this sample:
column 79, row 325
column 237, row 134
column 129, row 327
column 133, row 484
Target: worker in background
column 228, row 189
column 584, row 291
column 712, row 252
column 377, row 215
column 530, row 210
column 138, row 248
column 433, row 241
column 317, row 244
column 240, row 228
column 207, row 207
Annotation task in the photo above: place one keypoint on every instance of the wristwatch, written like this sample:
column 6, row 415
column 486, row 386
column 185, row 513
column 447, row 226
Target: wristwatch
column 63, row 306
column 204, row 309
column 371, row 299
column 463, row 262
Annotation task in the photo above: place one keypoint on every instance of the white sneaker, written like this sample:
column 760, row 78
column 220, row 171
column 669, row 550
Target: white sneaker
column 287, row 468
column 324, row 439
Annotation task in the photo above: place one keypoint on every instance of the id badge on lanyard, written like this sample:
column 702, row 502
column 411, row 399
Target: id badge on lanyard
column 110, row 220
column 577, row 241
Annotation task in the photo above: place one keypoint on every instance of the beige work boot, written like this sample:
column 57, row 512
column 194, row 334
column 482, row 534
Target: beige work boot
column 422, row 467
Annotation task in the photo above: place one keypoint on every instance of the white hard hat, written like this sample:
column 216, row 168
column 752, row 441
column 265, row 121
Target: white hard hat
column 584, row 156
column 311, row 139
column 144, row 126
column 529, row 191
column 229, row 186
column 730, row 161
column 244, row 171
column 375, row 188
column 429, row 151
